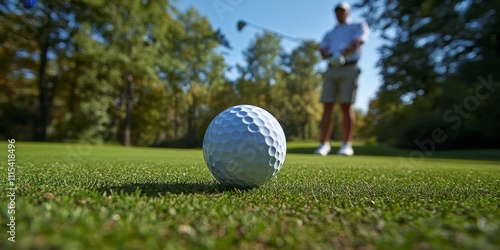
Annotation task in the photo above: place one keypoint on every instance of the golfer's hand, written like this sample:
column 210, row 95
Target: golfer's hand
column 324, row 53
column 352, row 47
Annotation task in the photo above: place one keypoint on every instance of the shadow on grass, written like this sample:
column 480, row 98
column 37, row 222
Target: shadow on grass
column 383, row 150
column 160, row 189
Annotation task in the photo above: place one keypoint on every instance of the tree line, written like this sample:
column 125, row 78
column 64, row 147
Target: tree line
column 140, row 73
column 439, row 65
column 148, row 73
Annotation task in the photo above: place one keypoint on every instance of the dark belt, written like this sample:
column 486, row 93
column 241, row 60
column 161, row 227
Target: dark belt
column 345, row 64
column 350, row 63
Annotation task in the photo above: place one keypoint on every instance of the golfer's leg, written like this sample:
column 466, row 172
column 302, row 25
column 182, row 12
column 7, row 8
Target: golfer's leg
column 348, row 90
column 348, row 122
column 328, row 98
column 326, row 122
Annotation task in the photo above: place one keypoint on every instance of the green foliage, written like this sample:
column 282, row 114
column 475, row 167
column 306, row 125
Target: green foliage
column 302, row 109
column 436, row 55
column 260, row 74
column 140, row 73
column 204, row 71
column 287, row 85
column 37, row 47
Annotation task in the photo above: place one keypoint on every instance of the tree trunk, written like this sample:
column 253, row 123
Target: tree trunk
column 128, row 109
column 74, row 85
column 43, row 112
column 176, row 115
column 303, row 129
column 191, row 136
column 114, row 125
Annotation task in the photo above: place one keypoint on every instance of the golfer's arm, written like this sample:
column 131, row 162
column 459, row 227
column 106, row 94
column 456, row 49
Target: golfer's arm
column 356, row 44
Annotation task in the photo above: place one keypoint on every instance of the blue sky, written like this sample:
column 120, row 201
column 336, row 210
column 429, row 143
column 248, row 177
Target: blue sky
column 296, row 18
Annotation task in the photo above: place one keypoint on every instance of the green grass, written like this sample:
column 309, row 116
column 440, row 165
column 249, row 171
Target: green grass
column 73, row 196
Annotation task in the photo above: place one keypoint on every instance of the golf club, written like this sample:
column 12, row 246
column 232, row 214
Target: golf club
column 242, row 24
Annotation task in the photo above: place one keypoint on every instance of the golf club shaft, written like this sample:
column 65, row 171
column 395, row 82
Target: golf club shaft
column 274, row 32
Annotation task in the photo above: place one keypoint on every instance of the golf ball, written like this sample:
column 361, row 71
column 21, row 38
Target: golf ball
column 244, row 146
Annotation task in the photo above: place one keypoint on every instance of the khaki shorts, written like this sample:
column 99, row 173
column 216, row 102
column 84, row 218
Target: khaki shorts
column 340, row 84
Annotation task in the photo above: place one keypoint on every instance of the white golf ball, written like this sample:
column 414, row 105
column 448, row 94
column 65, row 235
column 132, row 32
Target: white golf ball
column 244, row 146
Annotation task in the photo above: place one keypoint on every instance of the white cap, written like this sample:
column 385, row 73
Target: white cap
column 343, row 5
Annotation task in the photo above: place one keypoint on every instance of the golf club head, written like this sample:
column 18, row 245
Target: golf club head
column 241, row 24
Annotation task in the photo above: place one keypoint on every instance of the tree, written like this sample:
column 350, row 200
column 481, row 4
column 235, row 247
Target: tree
column 38, row 43
column 301, row 97
column 259, row 75
column 136, row 71
column 127, row 38
column 434, row 54
column 202, row 69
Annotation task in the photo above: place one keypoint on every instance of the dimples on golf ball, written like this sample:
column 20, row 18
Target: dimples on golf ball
column 244, row 146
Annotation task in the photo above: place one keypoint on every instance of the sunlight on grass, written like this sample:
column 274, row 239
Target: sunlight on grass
column 73, row 196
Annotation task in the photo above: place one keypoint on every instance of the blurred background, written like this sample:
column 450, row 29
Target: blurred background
column 155, row 73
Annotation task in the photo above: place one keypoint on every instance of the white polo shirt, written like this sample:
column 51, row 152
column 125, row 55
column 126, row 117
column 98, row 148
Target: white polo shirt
column 342, row 35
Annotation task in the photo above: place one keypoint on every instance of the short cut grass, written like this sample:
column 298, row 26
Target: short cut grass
column 76, row 196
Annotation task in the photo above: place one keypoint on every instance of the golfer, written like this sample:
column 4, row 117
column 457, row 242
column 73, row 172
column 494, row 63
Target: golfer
column 342, row 48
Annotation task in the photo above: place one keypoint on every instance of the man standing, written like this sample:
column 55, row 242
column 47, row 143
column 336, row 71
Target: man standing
column 341, row 47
